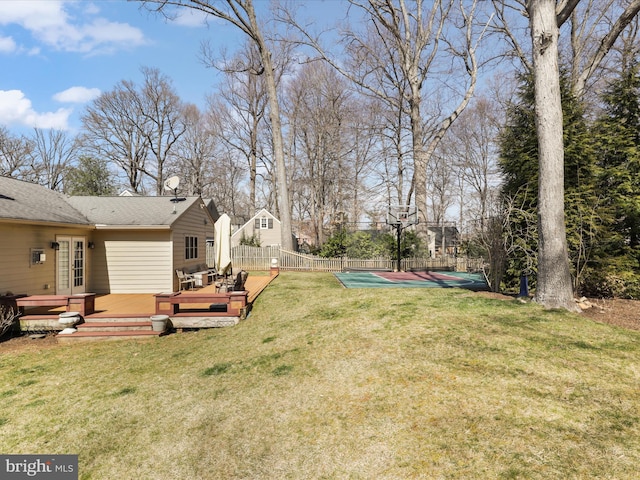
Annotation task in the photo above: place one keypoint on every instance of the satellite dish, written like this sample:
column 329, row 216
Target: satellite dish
column 172, row 183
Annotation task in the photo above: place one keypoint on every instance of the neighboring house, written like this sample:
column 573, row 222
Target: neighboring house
column 263, row 226
column 213, row 210
column 237, row 221
column 55, row 244
column 436, row 233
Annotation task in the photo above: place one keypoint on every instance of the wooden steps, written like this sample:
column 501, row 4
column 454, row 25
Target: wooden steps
column 133, row 313
column 110, row 330
column 113, row 326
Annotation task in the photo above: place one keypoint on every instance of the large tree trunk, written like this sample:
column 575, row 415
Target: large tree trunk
column 420, row 162
column 278, row 153
column 276, row 131
column 554, row 286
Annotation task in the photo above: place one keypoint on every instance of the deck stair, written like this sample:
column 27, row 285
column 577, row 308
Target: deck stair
column 113, row 329
column 122, row 316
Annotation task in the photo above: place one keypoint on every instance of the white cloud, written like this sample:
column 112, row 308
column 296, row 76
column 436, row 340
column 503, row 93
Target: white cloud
column 50, row 22
column 77, row 95
column 7, row 45
column 189, row 17
column 16, row 109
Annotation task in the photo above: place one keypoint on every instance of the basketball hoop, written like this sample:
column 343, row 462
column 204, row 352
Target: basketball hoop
column 402, row 216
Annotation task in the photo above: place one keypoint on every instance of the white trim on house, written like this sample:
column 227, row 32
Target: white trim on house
column 267, row 237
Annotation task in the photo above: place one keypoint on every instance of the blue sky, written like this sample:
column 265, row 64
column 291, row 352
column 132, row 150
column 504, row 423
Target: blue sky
column 56, row 56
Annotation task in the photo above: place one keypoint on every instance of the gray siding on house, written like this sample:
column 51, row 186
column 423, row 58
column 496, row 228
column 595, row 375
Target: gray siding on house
column 266, row 236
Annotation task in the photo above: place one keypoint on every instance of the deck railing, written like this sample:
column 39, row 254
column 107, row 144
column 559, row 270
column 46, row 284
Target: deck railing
column 260, row 258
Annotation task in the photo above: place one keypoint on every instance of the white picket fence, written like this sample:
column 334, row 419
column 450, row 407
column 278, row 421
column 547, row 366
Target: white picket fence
column 261, row 258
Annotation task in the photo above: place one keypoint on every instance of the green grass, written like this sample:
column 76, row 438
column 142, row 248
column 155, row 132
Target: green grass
column 327, row 383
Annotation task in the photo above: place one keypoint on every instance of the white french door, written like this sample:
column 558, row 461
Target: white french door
column 70, row 265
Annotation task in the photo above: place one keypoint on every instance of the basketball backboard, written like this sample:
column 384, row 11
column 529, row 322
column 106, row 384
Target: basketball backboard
column 402, row 215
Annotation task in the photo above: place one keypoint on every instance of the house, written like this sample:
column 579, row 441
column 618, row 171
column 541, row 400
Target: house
column 450, row 235
column 263, row 227
column 52, row 243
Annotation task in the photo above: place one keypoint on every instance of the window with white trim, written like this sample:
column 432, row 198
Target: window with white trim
column 190, row 247
column 263, row 223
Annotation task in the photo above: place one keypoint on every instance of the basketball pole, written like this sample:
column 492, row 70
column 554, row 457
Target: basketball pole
column 399, row 233
column 400, row 217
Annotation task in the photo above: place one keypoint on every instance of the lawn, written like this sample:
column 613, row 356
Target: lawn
column 326, row 382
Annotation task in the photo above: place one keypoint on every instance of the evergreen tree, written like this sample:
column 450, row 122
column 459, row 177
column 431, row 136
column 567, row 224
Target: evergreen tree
column 90, row 177
column 617, row 139
column 519, row 165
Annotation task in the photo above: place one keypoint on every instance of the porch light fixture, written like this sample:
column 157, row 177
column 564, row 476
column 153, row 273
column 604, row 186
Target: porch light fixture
column 55, row 245
column 91, row 245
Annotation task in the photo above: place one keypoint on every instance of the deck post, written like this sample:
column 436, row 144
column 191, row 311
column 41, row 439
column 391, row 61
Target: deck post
column 83, row 303
column 164, row 305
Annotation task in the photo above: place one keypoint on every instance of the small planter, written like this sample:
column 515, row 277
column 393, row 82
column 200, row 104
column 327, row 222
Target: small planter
column 159, row 322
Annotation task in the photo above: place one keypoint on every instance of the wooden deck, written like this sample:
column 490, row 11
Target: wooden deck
column 138, row 307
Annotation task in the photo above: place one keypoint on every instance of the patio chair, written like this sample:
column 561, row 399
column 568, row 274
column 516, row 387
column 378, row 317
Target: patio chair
column 231, row 283
column 212, row 272
column 241, row 278
column 186, row 279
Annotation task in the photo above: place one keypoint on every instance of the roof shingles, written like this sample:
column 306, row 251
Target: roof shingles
column 20, row 200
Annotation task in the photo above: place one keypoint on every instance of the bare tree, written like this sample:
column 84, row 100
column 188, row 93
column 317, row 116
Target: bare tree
column 364, row 156
column 228, row 167
column 554, row 288
column 510, row 229
column 53, row 154
column 244, row 92
column 14, row 155
column 402, row 51
column 472, row 145
column 392, row 132
column 319, row 103
column 442, row 180
column 595, row 28
column 230, row 175
column 136, row 128
column 194, row 153
column 111, row 130
column 592, row 26
column 241, row 14
column 162, row 122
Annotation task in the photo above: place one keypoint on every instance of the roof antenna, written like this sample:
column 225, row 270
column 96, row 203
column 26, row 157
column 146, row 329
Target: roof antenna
column 172, row 184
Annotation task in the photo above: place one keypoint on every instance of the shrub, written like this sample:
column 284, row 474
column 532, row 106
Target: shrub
column 7, row 319
column 251, row 241
column 335, row 246
column 617, row 279
column 361, row 245
column 370, row 244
